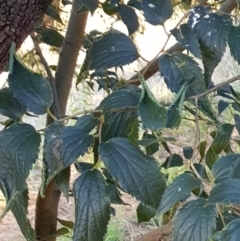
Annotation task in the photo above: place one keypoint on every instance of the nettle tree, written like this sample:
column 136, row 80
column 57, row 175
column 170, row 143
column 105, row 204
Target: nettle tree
column 128, row 126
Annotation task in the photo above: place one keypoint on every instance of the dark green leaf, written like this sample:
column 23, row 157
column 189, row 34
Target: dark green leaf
column 58, row 233
column 220, row 142
column 194, row 221
column 62, row 180
column 178, row 190
column 135, row 172
column 201, row 170
column 230, row 233
column 50, row 36
column 236, row 106
column 136, row 4
column 114, row 194
column 152, row 113
column 92, row 211
column 83, row 166
column 223, row 167
column 63, row 150
column 187, row 152
column 233, row 42
column 112, row 50
column 129, row 17
column 226, row 192
column 222, row 105
column 19, row 146
column 9, row 106
column 151, row 144
column 157, row 11
column 53, row 12
column 237, row 122
column 174, row 160
column 109, row 9
column 87, row 122
column 91, row 5
column 185, row 36
column 145, row 213
column 30, row 89
column 211, row 30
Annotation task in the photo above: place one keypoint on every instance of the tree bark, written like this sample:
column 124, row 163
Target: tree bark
column 47, row 208
column 17, row 20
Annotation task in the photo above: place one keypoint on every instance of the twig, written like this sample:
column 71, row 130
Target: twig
column 216, row 87
column 49, row 73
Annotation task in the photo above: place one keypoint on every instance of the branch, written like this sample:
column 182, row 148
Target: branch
column 227, row 7
column 51, row 79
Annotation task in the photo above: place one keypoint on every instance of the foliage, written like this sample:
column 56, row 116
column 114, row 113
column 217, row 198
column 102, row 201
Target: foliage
column 129, row 126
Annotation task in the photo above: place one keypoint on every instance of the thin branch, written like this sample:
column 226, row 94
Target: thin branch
column 49, row 73
column 216, row 87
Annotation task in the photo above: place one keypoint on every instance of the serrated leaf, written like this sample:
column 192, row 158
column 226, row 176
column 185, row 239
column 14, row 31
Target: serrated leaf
column 150, row 142
column 64, row 149
column 113, row 49
column 62, row 180
column 91, row 5
column 114, row 194
column 135, row 172
column 157, row 11
column 222, row 105
column 185, row 36
column 226, row 192
column 83, row 166
column 152, row 113
column 129, row 17
column 221, row 169
column 19, row 146
column 9, row 106
column 30, row 89
column 87, row 122
column 233, row 40
column 211, row 30
column 194, row 221
column 92, row 211
column 187, row 152
column 231, row 232
column 50, row 36
column 220, row 142
column 145, row 213
column 178, row 190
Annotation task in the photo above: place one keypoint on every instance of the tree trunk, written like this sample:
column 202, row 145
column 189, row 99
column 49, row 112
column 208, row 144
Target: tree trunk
column 17, row 20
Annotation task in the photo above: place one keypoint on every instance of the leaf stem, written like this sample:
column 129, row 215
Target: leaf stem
column 51, row 115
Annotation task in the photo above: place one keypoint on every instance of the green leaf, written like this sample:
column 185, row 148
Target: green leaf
column 53, row 12
column 152, row 113
column 62, row 180
column 19, row 146
column 129, row 17
column 231, row 232
column 223, row 167
column 19, row 210
column 114, row 49
column 187, row 152
column 222, row 105
column 87, row 122
column 92, row 211
column 66, row 223
column 237, row 122
column 220, row 142
column 202, row 149
column 226, row 192
column 63, row 150
column 145, row 213
column 91, row 5
column 50, row 36
column 157, row 11
column 58, row 233
column 135, row 172
column 30, row 89
column 135, row 3
column 9, row 106
column 211, row 30
column 233, row 40
column 178, row 190
column 120, row 123
column 194, row 221
column 114, row 194
column 185, row 36
column 174, row 160
column 174, row 113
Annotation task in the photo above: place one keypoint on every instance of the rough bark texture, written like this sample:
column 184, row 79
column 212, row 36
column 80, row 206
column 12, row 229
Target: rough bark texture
column 17, row 19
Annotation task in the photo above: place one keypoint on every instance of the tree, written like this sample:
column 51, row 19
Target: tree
column 127, row 127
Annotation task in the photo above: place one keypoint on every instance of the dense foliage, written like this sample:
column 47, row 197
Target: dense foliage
column 123, row 133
